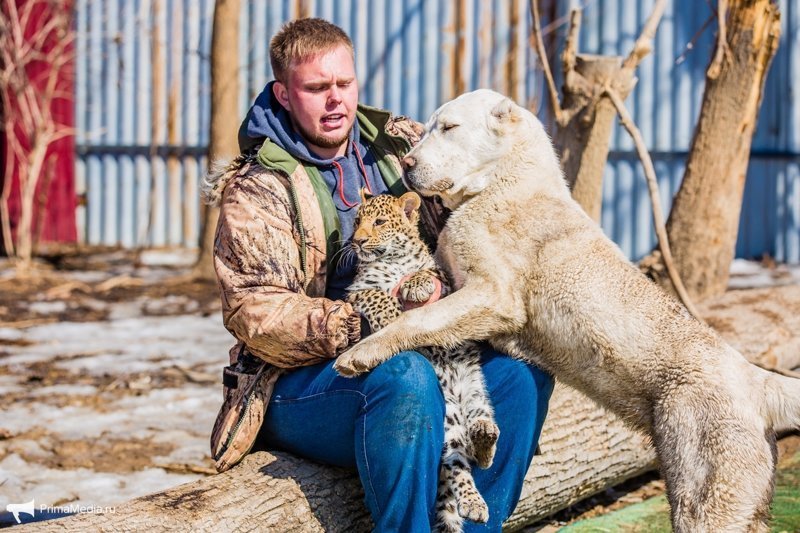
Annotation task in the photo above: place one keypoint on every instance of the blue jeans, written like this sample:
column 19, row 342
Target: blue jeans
column 389, row 425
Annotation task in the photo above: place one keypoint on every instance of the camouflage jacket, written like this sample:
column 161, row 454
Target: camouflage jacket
column 276, row 227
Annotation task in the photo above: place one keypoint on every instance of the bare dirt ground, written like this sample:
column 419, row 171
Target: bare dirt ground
column 109, row 374
column 110, row 365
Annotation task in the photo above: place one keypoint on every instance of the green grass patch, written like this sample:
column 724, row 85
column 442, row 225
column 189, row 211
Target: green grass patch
column 786, row 504
column 649, row 516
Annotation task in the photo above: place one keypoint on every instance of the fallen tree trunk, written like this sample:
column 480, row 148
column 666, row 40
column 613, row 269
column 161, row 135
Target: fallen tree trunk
column 763, row 324
column 584, row 451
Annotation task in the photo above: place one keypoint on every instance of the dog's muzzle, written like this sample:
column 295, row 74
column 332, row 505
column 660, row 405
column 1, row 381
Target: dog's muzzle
column 416, row 179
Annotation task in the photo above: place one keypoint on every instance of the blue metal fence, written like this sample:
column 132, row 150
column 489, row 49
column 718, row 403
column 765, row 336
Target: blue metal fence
column 143, row 100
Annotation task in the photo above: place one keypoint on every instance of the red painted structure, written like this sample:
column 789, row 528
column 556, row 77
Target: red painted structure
column 55, row 203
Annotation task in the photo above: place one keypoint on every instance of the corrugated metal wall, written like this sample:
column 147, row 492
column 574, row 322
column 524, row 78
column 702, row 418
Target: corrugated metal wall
column 143, row 92
column 142, row 110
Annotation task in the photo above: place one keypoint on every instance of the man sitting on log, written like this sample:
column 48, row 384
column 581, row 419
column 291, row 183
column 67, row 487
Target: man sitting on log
column 287, row 206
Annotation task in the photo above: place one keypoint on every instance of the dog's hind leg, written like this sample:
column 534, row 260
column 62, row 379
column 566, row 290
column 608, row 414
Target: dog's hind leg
column 718, row 469
column 762, row 515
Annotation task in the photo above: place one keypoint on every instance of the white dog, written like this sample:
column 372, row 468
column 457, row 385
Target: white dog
column 540, row 281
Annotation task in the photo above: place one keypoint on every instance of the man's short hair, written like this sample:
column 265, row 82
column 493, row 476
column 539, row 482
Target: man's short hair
column 302, row 39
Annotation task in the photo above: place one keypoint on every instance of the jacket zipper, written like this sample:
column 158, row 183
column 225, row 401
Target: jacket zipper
column 296, row 204
column 235, row 430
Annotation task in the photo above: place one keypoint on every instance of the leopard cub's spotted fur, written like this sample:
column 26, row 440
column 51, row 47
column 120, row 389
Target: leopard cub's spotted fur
column 389, row 249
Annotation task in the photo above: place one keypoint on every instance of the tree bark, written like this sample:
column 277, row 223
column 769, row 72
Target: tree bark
column 584, row 140
column 703, row 224
column 224, row 126
column 763, row 324
column 584, row 451
column 585, row 120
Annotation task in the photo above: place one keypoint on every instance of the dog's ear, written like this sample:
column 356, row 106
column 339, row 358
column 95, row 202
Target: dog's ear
column 410, row 202
column 505, row 111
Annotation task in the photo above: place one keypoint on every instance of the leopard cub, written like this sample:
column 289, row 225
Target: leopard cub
column 395, row 266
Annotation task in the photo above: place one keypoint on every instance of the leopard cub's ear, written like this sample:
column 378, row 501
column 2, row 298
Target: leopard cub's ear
column 410, row 202
column 362, row 192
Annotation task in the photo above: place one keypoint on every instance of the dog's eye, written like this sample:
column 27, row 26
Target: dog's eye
column 448, row 127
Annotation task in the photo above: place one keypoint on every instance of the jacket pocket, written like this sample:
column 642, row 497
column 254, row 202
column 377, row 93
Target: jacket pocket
column 246, row 394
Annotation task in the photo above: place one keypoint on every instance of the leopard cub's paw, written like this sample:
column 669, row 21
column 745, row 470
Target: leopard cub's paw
column 472, row 507
column 484, row 434
column 418, row 288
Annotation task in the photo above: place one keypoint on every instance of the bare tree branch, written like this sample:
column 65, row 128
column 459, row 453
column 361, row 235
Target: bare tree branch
column 644, row 44
column 40, row 33
column 723, row 50
column 652, row 185
column 8, row 174
column 690, row 45
column 571, row 46
column 574, row 82
column 540, row 50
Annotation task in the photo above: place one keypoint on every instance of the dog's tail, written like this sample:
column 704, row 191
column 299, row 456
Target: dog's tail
column 782, row 396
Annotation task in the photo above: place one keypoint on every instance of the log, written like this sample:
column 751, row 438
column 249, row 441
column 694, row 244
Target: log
column 584, row 451
column 763, row 324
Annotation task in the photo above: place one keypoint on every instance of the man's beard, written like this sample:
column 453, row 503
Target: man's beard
column 318, row 140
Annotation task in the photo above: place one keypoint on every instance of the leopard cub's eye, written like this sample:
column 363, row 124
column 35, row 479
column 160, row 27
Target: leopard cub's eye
column 380, row 221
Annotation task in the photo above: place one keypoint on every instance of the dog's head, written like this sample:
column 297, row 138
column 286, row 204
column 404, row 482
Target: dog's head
column 463, row 142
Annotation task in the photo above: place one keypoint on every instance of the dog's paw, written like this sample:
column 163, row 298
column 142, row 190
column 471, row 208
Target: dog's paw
column 472, row 507
column 484, row 434
column 418, row 288
column 355, row 362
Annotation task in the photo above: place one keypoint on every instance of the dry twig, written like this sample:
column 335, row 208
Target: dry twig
column 27, row 323
column 65, row 290
column 644, row 44
column 123, row 280
column 540, row 50
column 571, row 46
column 652, row 185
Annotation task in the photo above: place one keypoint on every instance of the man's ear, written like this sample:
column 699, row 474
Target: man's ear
column 281, row 93
column 410, row 202
column 505, row 111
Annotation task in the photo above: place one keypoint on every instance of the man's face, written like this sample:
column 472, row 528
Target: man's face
column 321, row 94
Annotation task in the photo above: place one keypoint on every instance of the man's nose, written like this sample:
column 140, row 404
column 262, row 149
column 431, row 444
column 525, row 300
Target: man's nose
column 409, row 162
column 335, row 94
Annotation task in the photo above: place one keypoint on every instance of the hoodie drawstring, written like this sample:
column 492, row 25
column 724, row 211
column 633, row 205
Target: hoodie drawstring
column 341, row 177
